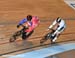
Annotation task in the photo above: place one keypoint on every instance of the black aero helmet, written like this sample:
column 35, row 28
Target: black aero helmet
column 29, row 17
column 58, row 20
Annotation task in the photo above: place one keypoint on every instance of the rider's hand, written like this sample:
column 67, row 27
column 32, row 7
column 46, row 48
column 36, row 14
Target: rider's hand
column 47, row 30
column 18, row 26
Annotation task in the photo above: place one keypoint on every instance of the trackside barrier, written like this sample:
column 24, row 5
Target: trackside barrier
column 45, row 52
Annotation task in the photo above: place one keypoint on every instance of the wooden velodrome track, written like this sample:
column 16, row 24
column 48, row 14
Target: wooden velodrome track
column 12, row 11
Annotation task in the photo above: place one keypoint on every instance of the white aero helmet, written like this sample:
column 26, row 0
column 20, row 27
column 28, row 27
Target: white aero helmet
column 58, row 20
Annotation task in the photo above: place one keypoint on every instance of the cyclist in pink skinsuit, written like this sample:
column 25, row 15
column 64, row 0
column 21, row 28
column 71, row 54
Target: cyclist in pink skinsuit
column 35, row 22
column 31, row 22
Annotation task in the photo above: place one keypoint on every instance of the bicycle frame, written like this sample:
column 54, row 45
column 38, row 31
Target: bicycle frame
column 16, row 34
column 47, row 36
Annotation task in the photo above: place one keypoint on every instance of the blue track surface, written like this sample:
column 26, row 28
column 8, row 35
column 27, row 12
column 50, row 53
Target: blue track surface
column 45, row 52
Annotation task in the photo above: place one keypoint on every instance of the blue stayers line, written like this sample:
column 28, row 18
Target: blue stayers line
column 45, row 52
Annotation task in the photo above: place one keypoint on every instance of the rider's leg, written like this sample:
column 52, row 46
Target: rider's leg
column 29, row 33
column 54, row 39
column 24, row 35
column 58, row 34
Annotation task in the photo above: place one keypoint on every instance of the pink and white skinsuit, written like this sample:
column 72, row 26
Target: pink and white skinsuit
column 34, row 23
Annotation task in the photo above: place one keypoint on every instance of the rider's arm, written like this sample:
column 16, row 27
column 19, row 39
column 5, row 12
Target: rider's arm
column 50, row 27
column 22, row 22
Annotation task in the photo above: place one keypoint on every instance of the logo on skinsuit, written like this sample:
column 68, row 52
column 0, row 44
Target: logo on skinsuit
column 71, row 3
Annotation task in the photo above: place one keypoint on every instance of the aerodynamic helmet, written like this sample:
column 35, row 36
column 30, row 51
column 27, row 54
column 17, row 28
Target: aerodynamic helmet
column 29, row 17
column 58, row 20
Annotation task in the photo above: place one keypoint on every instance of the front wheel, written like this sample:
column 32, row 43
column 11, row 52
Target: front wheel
column 12, row 39
column 45, row 38
column 42, row 40
column 14, row 36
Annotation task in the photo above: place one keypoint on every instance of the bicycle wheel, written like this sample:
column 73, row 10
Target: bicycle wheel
column 45, row 38
column 14, row 36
